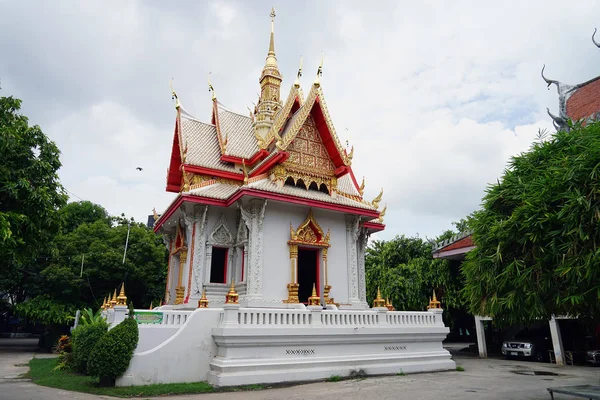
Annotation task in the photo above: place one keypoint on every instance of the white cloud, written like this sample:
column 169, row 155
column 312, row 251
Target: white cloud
column 435, row 96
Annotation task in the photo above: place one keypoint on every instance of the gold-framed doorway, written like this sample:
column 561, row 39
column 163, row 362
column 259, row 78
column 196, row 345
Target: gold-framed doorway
column 309, row 234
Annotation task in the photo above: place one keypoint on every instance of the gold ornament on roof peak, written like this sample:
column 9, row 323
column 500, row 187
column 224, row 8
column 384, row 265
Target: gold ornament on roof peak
column 319, row 71
column 299, row 74
column 174, row 96
column 211, row 89
column 377, row 199
column 351, row 154
column 382, row 214
column 361, row 189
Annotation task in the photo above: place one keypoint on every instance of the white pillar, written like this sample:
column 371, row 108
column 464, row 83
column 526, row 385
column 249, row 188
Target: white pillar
column 557, row 342
column 480, row 329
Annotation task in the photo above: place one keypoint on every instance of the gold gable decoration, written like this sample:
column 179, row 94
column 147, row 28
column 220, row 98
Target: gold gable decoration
column 309, row 233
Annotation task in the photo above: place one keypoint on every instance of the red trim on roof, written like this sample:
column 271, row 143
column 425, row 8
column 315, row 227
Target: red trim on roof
column 214, row 172
column 340, row 171
column 245, row 191
column 174, row 171
column 356, row 185
column 259, row 156
column 279, row 158
column 318, row 116
column 374, row 226
column 301, row 201
column 192, row 199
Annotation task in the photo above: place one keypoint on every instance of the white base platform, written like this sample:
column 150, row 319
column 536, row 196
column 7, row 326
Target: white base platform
column 233, row 346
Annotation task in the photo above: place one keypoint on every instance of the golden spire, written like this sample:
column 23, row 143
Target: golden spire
column 351, row 154
column 174, row 96
column 231, row 297
column 113, row 299
column 433, row 302
column 314, row 300
column 103, row 306
column 378, row 302
column 211, row 88
column 271, row 59
column 203, row 302
column 319, row 72
column 122, row 299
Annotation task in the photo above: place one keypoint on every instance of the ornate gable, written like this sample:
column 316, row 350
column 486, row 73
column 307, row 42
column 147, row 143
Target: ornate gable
column 309, row 233
column 308, row 153
column 221, row 236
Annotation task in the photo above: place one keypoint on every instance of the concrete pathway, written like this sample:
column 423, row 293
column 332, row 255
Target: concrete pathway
column 482, row 379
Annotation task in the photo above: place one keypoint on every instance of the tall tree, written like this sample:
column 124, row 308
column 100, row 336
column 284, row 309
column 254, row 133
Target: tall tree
column 88, row 264
column 537, row 234
column 30, row 196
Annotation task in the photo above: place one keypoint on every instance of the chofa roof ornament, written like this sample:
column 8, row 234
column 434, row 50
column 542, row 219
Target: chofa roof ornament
column 594, row 40
column 548, row 81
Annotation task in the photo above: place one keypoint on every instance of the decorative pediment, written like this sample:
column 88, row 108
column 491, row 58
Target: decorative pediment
column 241, row 236
column 221, row 235
column 180, row 242
column 309, row 233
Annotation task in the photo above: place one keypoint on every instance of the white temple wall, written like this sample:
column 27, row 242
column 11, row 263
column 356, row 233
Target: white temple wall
column 276, row 272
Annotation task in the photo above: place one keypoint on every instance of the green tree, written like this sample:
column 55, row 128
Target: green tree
column 30, row 196
column 87, row 263
column 405, row 271
column 538, row 235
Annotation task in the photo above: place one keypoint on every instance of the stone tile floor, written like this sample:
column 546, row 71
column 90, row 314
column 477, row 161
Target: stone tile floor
column 482, row 379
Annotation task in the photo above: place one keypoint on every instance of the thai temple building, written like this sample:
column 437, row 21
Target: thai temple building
column 266, row 236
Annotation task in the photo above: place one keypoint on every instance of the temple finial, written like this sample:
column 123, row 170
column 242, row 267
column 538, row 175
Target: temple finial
column 377, row 199
column 594, row 40
column 271, row 59
column 382, row 214
column 211, row 89
column 156, row 216
column 548, row 81
column 319, row 71
column 299, row 74
column 361, row 189
column 174, row 96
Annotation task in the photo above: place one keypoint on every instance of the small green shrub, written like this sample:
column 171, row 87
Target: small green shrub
column 85, row 338
column 334, row 378
column 89, row 317
column 112, row 354
column 401, row 373
column 459, row 368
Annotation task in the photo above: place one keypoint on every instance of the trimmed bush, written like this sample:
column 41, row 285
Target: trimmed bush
column 112, row 354
column 84, row 339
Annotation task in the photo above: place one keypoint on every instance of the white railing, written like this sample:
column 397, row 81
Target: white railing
column 249, row 316
column 410, row 318
column 352, row 318
column 259, row 317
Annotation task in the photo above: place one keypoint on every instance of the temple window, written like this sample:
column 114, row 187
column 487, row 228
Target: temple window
column 218, row 265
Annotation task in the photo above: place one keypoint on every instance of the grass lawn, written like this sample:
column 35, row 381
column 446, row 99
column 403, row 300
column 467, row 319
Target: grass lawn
column 40, row 371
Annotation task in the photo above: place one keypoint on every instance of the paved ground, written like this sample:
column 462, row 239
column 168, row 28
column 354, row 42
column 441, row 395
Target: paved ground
column 482, row 379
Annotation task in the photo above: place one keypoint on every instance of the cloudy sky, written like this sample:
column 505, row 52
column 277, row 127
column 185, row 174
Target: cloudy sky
column 435, row 96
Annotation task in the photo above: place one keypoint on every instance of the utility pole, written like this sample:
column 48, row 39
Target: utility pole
column 126, row 240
